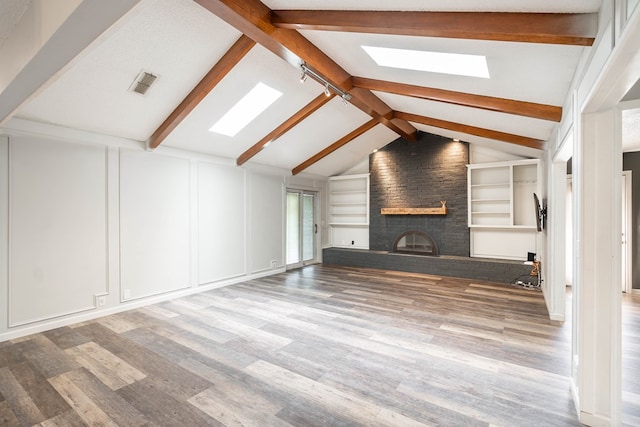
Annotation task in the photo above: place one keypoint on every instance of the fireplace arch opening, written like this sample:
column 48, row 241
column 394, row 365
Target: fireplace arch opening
column 415, row 243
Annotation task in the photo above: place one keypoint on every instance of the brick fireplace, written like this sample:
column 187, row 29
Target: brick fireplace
column 420, row 174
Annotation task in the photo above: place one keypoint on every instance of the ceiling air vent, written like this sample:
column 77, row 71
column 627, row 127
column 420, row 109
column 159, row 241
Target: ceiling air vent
column 143, row 82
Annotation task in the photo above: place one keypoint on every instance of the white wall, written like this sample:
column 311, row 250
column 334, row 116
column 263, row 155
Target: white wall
column 57, row 228
column 92, row 225
column 221, row 218
column 154, row 223
column 267, row 212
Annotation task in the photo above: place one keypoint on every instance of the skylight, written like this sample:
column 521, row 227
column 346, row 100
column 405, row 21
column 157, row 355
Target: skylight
column 434, row 62
column 245, row 110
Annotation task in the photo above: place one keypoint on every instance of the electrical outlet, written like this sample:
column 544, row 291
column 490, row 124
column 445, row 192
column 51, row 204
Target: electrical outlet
column 353, row 242
column 273, row 264
column 126, row 294
column 101, row 300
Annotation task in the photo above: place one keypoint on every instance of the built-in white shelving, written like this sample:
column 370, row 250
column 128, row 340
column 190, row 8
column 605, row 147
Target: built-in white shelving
column 349, row 210
column 501, row 212
column 501, row 194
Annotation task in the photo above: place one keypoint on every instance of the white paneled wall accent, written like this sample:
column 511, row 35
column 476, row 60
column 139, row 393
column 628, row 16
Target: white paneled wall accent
column 221, row 219
column 92, row 225
column 57, row 228
column 267, row 222
column 154, row 223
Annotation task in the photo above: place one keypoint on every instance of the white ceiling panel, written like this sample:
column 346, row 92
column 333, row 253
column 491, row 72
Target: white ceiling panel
column 259, row 65
column 10, row 13
column 631, row 129
column 490, row 143
column 353, row 153
column 509, row 123
column 521, row 71
column 303, row 141
column 175, row 40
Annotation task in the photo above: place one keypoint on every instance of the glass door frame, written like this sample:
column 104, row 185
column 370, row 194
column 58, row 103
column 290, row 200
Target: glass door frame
column 315, row 231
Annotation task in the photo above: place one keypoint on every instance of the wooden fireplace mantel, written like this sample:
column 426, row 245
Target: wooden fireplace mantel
column 442, row 210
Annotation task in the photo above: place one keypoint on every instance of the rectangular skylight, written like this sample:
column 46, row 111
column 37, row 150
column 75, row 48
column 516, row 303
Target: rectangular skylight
column 248, row 108
column 434, row 62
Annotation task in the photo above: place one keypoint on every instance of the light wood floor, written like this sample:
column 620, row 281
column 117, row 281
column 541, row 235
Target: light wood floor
column 319, row 346
column 631, row 359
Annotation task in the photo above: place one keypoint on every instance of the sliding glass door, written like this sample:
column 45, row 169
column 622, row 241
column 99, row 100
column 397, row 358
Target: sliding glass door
column 301, row 228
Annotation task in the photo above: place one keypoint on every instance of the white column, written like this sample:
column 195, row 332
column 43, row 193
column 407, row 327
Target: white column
column 597, row 166
column 555, row 288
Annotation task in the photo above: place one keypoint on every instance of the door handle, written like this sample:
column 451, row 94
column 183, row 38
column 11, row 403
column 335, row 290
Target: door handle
column 315, row 228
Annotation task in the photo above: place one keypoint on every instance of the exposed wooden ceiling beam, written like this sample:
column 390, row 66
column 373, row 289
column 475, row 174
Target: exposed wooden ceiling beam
column 521, row 108
column 472, row 130
column 578, row 29
column 333, row 147
column 253, row 18
column 287, row 125
column 229, row 60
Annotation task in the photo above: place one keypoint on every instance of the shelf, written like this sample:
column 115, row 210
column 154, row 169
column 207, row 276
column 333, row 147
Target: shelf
column 500, row 193
column 349, row 204
column 498, row 184
column 490, row 213
column 347, row 192
column 508, row 227
column 348, row 211
column 414, row 211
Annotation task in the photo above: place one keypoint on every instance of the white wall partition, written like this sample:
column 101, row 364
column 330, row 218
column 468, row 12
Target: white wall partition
column 57, row 228
column 221, row 219
column 154, row 223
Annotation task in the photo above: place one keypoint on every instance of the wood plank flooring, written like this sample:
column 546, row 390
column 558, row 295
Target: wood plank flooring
column 631, row 359
column 318, row 346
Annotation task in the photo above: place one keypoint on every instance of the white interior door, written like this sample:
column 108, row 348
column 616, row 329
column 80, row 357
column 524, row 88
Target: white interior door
column 569, row 233
column 625, row 234
column 625, row 254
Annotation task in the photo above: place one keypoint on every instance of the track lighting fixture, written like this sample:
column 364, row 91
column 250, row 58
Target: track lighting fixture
column 328, row 87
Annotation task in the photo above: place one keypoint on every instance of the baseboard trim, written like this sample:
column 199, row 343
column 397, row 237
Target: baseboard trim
column 129, row 305
column 594, row 420
column 557, row 316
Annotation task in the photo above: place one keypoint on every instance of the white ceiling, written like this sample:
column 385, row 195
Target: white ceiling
column 175, row 40
column 631, row 129
column 180, row 41
column 10, row 13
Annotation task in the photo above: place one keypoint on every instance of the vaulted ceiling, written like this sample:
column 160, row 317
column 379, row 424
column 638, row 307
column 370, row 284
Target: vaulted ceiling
column 208, row 54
